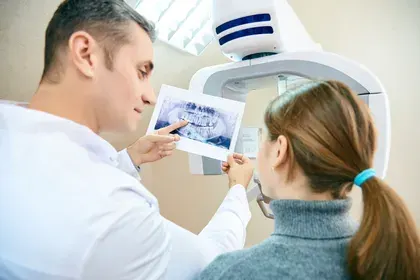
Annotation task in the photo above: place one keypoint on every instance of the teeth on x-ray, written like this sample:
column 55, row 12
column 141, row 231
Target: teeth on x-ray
column 200, row 116
column 205, row 124
column 201, row 133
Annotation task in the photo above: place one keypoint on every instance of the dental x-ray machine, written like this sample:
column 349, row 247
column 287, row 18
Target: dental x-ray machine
column 264, row 39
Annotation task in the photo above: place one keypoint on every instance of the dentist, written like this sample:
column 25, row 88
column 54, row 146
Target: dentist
column 71, row 206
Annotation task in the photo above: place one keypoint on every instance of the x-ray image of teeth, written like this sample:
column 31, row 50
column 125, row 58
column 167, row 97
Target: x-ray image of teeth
column 205, row 124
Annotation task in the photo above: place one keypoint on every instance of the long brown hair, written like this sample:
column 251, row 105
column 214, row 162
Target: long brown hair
column 332, row 138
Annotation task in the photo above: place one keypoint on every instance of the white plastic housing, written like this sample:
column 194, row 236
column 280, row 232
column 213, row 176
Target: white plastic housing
column 244, row 27
column 218, row 80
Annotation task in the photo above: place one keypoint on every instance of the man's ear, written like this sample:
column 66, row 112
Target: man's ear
column 281, row 147
column 83, row 51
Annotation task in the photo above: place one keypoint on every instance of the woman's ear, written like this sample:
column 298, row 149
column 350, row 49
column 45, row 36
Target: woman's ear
column 281, row 147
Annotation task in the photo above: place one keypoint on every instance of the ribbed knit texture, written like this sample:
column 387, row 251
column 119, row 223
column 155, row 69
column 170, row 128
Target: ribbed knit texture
column 309, row 242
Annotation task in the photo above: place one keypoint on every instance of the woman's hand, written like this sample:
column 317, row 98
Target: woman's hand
column 239, row 168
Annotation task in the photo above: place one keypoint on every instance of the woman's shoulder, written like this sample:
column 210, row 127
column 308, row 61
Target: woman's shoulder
column 241, row 264
column 225, row 266
column 282, row 256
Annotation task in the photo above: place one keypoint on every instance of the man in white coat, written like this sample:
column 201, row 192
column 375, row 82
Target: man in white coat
column 71, row 206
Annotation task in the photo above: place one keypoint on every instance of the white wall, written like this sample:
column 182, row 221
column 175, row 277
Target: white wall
column 381, row 34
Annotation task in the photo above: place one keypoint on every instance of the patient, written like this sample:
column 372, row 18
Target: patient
column 319, row 144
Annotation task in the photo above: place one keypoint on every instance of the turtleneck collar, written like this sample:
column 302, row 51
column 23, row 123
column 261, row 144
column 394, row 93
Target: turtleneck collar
column 313, row 219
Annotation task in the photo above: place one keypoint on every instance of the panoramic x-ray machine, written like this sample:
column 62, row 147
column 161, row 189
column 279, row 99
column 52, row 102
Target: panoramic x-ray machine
column 266, row 39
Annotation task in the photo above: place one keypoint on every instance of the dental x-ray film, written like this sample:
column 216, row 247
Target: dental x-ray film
column 213, row 122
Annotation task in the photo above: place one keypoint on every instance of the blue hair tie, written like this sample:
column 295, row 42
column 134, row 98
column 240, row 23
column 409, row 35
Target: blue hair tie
column 364, row 176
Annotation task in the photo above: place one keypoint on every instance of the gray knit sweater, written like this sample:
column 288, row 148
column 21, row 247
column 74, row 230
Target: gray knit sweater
column 309, row 242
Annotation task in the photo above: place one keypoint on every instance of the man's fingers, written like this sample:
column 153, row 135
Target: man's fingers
column 172, row 127
column 155, row 138
column 169, row 147
column 165, row 153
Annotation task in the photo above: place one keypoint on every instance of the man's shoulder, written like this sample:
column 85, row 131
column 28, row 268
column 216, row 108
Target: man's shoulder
column 76, row 206
column 68, row 203
column 65, row 177
column 67, row 158
column 58, row 155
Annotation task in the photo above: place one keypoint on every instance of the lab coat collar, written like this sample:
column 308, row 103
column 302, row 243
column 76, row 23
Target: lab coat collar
column 26, row 120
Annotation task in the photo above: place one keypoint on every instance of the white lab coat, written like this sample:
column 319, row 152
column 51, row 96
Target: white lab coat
column 72, row 207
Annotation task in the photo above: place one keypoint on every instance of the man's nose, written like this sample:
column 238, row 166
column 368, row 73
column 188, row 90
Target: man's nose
column 149, row 96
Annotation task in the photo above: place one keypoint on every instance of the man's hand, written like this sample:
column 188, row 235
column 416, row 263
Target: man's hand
column 156, row 146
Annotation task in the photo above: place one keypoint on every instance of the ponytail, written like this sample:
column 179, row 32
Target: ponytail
column 387, row 245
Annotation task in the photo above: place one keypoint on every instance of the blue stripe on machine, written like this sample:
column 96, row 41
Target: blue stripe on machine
column 246, row 32
column 242, row 21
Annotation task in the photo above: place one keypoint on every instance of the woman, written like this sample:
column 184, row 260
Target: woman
column 320, row 142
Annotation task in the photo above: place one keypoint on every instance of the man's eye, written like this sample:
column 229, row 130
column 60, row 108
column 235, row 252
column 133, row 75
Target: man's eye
column 142, row 74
